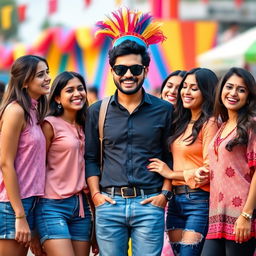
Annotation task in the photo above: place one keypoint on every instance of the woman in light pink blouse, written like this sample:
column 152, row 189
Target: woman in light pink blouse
column 63, row 217
column 22, row 144
column 232, row 160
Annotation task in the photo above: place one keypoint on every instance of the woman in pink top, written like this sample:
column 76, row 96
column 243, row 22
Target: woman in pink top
column 62, row 215
column 232, row 155
column 22, row 145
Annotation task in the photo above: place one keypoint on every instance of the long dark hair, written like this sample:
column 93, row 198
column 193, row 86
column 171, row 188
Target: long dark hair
column 23, row 71
column 58, row 84
column 206, row 81
column 180, row 73
column 246, row 114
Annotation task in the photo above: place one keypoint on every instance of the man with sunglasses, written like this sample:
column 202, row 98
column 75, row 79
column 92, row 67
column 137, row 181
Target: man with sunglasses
column 129, row 199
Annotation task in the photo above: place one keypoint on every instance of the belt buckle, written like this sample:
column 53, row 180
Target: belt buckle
column 128, row 196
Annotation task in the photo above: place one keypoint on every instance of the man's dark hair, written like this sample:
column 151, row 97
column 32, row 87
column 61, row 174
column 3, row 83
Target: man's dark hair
column 128, row 47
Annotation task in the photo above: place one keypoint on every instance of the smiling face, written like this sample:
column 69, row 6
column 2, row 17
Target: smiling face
column 128, row 83
column 234, row 93
column 191, row 95
column 170, row 90
column 72, row 96
column 40, row 84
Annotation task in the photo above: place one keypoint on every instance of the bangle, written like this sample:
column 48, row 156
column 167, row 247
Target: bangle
column 246, row 215
column 20, row 217
column 95, row 194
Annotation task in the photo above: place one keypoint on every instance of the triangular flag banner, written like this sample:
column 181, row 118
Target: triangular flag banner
column 238, row 3
column 87, row 2
column 6, row 19
column 118, row 2
column 52, row 6
column 22, row 12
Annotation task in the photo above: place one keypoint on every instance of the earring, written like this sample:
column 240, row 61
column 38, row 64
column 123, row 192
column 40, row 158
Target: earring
column 59, row 106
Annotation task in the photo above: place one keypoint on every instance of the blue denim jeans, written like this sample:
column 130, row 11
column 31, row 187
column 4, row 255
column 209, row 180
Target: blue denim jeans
column 189, row 212
column 115, row 223
column 7, row 217
column 59, row 219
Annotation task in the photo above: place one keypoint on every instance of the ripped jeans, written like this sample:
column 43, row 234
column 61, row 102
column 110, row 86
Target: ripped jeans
column 188, row 212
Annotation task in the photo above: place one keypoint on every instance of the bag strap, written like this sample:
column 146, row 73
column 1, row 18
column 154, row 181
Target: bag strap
column 102, row 117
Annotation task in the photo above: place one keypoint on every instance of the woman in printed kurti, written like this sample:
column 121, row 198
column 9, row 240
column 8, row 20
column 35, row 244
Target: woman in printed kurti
column 232, row 156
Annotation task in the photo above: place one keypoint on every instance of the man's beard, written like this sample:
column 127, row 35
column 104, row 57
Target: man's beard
column 129, row 92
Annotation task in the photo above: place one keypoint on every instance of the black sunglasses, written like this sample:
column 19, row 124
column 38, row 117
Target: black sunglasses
column 136, row 70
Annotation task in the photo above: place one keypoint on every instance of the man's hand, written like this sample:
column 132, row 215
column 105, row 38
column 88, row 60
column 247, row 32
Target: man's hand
column 99, row 199
column 159, row 201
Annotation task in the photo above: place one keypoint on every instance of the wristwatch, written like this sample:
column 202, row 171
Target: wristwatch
column 168, row 194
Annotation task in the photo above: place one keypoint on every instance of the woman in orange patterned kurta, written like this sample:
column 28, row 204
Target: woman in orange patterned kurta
column 232, row 159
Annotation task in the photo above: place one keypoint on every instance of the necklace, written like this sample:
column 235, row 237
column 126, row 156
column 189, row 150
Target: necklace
column 192, row 121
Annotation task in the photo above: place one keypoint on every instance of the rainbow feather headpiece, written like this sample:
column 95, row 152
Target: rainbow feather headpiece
column 133, row 25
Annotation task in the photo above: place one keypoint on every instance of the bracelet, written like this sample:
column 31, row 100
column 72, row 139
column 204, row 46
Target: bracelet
column 20, row 217
column 95, row 194
column 246, row 215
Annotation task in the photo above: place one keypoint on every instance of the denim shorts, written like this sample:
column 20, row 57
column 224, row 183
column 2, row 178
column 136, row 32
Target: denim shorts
column 7, row 217
column 189, row 211
column 59, row 219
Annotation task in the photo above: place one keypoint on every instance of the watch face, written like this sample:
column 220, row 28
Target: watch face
column 168, row 194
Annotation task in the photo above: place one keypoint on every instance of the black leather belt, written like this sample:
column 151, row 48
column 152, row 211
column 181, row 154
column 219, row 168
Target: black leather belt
column 184, row 189
column 129, row 192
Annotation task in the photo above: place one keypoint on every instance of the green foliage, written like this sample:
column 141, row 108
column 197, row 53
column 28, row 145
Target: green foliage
column 12, row 31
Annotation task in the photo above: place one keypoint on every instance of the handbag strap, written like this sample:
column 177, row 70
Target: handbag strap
column 102, row 117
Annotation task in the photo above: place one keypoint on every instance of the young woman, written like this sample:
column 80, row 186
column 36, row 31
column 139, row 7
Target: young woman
column 22, row 143
column 170, row 86
column 232, row 155
column 187, row 216
column 62, row 215
column 169, row 92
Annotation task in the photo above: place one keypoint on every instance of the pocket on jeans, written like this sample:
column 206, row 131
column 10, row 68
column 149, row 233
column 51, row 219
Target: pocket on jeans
column 98, row 206
column 159, row 207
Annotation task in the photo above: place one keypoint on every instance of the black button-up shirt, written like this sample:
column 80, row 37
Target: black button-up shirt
column 130, row 140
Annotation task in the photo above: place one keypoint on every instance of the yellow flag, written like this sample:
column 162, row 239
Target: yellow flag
column 6, row 14
column 118, row 2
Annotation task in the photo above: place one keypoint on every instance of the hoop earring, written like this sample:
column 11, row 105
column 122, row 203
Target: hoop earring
column 59, row 106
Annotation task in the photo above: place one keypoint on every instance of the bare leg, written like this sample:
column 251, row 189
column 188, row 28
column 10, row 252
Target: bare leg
column 11, row 248
column 58, row 247
column 81, row 248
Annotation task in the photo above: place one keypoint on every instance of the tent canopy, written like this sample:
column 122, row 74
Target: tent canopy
column 236, row 52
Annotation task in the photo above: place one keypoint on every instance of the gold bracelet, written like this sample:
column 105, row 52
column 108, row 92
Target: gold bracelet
column 246, row 215
column 20, row 217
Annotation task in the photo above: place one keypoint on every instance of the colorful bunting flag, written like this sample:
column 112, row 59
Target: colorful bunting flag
column 22, row 12
column 87, row 2
column 6, row 17
column 52, row 6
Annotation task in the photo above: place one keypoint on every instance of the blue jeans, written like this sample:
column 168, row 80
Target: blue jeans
column 7, row 217
column 189, row 212
column 115, row 223
column 59, row 219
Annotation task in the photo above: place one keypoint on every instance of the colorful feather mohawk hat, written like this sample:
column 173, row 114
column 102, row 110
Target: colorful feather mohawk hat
column 133, row 25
